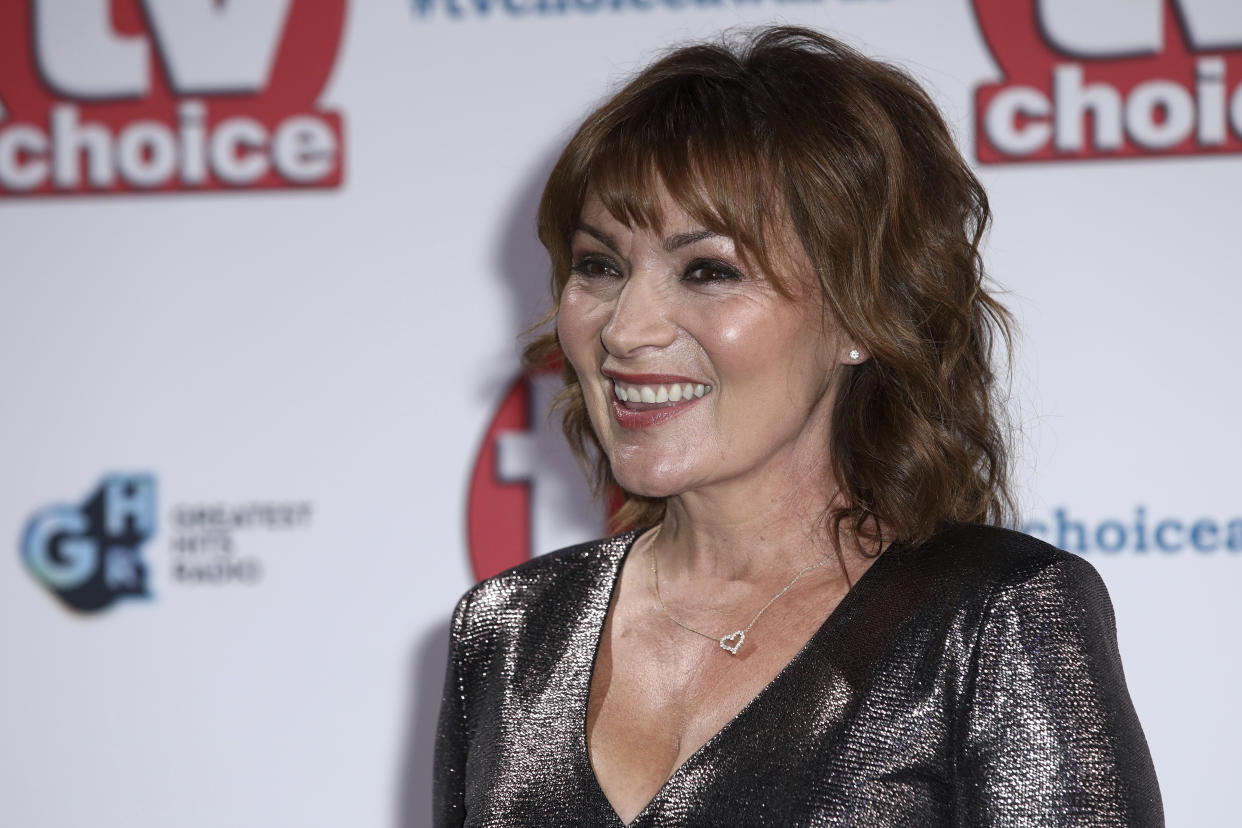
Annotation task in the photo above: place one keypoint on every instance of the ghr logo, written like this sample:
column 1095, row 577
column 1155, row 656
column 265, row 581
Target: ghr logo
column 89, row 555
column 162, row 95
column 527, row 494
column 1087, row 79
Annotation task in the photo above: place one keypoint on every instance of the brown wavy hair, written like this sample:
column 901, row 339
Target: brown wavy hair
column 787, row 127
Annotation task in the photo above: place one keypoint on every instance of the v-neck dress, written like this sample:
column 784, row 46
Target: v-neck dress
column 971, row 680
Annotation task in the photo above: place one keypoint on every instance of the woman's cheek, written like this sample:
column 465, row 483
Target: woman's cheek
column 735, row 330
column 578, row 325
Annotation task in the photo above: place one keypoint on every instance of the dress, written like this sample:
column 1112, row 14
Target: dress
column 971, row 680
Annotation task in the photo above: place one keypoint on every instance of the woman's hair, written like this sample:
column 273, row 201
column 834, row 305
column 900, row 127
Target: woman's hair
column 786, row 127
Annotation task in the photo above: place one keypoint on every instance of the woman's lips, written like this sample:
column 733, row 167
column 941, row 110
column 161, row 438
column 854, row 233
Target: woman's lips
column 646, row 400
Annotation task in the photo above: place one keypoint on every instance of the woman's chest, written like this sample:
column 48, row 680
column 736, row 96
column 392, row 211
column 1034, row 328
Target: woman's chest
column 659, row 693
column 818, row 745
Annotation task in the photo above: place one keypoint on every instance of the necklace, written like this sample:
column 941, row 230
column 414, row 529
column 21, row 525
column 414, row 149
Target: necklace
column 732, row 642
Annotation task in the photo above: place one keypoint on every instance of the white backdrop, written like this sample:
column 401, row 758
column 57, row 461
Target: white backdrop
column 305, row 336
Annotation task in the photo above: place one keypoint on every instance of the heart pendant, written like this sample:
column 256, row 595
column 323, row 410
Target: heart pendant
column 733, row 642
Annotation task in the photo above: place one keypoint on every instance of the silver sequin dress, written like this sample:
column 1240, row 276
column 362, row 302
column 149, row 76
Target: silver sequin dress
column 973, row 680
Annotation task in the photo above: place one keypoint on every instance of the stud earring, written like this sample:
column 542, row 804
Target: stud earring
column 855, row 354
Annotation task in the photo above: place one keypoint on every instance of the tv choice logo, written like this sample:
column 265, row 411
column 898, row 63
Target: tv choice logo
column 90, row 556
column 527, row 493
column 117, row 96
column 1140, row 533
column 1110, row 79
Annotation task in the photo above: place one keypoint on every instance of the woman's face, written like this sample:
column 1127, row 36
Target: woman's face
column 696, row 371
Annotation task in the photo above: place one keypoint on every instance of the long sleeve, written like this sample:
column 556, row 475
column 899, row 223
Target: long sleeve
column 1048, row 734
column 448, row 784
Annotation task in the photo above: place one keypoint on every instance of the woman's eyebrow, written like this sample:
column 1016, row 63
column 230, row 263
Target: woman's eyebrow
column 682, row 239
column 673, row 242
column 597, row 234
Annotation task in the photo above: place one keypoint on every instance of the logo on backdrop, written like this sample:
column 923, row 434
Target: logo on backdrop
column 527, row 493
column 110, row 96
column 1138, row 533
column 89, row 556
column 1091, row 79
column 459, row 9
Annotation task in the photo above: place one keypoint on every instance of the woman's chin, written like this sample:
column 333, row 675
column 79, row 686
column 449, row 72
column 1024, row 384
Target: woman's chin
column 644, row 484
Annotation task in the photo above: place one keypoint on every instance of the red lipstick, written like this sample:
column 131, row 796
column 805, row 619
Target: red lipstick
column 650, row 379
column 654, row 415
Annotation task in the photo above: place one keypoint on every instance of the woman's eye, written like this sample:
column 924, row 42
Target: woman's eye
column 702, row 272
column 594, row 267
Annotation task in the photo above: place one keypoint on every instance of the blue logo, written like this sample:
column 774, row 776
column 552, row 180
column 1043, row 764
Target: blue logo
column 1138, row 533
column 90, row 555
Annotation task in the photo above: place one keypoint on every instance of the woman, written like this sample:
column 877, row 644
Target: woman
column 777, row 345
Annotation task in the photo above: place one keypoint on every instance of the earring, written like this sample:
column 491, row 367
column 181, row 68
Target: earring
column 855, row 354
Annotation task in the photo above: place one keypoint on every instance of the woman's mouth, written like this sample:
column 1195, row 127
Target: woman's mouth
column 658, row 394
column 645, row 404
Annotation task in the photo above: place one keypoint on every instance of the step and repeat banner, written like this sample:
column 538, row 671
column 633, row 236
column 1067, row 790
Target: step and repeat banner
column 264, row 267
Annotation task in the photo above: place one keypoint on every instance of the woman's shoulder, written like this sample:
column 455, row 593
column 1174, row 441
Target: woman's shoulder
column 564, row 576
column 1046, row 726
column 972, row 564
column 992, row 554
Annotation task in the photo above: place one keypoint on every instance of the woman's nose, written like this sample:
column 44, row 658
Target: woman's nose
column 640, row 317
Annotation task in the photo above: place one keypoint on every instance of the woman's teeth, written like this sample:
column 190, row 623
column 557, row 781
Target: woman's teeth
column 675, row 392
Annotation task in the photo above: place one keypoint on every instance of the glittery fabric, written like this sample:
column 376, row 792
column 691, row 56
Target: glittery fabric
column 973, row 680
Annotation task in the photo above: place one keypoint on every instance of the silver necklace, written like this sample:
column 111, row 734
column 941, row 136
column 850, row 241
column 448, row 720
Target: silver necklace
column 732, row 642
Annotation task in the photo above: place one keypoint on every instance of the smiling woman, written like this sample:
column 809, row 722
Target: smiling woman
column 778, row 347
column 645, row 312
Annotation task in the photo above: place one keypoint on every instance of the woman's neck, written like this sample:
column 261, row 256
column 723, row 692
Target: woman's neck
column 744, row 533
